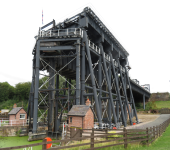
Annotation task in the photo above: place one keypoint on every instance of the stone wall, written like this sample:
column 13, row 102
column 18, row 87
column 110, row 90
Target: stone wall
column 11, row 130
column 160, row 97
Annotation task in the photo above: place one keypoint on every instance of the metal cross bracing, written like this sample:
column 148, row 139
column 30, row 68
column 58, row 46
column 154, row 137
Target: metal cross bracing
column 71, row 65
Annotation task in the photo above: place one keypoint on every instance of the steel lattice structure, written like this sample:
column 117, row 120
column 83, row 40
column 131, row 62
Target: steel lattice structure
column 81, row 50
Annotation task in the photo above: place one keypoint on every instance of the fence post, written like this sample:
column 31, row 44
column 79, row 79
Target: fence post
column 154, row 132
column 147, row 132
column 92, row 138
column 125, row 137
column 106, row 130
column 159, row 130
column 44, row 145
column 151, row 131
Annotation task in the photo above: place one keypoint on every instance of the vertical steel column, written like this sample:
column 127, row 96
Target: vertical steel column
column 83, row 75
column 78, row 73
column 108, row 84
column 124, row 89
column 56, row 104
column 100, row 81
column 109, row 104
column 69, row 86
column 92, row 79
column 31, row 100
column 133, row 103
column 51, row 96
column 32, row 92
column 35, row 118
column 143, row 101
column 125, row 106
column 117, row 88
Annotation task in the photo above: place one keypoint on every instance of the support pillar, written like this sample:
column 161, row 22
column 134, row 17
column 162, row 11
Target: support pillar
column 126, row 99
column 143, row 101
column 56, row 106
column 130, row 89
column 100, row 82
column 108, row 84
column 78, row 73
column 117, row 88
column 109, row 103
column 83, row 75
column 92, row 79
column 51, row 98
column 35, row 120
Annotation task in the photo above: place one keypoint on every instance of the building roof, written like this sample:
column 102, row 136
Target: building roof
column 78, row 110
column 14, row 111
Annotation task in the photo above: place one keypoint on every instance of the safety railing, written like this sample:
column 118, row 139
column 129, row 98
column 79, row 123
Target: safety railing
column 61, row 32
column 115, row 63
column 14, row 122
column 107, row 56
column 123, row 69
column 94, row 47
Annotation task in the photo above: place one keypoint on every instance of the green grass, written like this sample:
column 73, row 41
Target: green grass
column 17, row 141
column 162, row 104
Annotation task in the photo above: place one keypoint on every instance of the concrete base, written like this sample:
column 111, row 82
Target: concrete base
column 36, row 136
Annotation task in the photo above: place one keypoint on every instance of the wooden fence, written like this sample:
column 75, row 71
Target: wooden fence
column 165, row 111
column 97, row 136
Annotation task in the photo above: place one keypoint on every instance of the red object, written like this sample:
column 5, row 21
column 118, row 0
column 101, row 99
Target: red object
column 64, row 126
column 114, row 128
column 134, row 123
column 48, row 145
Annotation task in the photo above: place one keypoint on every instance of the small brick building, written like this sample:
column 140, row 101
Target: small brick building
column 81, row 116
column 17, row 115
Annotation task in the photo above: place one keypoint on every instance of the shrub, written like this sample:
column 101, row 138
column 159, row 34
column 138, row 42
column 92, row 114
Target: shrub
column 151, row 106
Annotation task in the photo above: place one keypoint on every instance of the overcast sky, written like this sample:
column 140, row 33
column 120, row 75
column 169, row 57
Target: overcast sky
column 141, row 26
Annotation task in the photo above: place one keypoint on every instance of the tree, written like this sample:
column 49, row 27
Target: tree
column 23, row 90
column 6, row 91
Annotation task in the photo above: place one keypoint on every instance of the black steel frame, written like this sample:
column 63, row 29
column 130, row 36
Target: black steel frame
column 66, row 52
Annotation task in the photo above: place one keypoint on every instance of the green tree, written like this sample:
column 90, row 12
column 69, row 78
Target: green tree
column 23, row 90
column 6, row 91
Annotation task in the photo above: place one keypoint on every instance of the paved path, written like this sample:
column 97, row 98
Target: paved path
column 156, row 122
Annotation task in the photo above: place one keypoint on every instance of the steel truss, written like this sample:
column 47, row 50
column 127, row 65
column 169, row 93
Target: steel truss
column 70, row 57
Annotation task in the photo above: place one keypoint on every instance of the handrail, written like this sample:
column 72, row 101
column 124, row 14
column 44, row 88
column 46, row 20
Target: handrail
column 94, row 47
column 61, row 32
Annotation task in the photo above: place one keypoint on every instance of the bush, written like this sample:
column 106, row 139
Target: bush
column 151, row 106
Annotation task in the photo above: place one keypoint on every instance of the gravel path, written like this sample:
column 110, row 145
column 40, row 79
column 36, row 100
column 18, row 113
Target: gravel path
column 156, row 122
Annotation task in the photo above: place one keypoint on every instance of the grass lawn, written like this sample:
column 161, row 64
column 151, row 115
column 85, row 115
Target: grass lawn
column 18, row 141
column 162, row 104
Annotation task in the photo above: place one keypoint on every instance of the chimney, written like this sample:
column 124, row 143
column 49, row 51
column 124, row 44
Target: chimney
column 88, row 103
column 15, row 105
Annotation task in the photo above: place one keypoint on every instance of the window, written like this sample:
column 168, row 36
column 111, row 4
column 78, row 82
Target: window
column 70, row 119
column 22, row 116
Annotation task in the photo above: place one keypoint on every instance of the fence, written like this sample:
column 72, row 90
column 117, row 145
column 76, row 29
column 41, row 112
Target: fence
column 165, row 111
column 4, row 117
column 14, row 122
column 123, row 137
